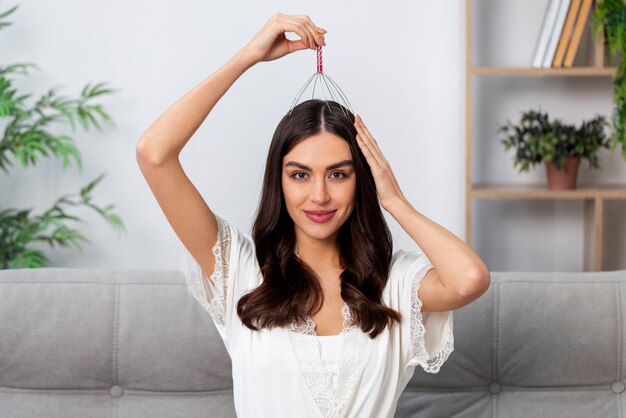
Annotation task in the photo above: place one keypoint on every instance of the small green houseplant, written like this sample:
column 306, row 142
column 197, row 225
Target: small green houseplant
column 560, row 146
column 29, row 134
column 610, row 16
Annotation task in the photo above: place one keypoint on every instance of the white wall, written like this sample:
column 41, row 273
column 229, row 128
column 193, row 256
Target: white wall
column 401, row 65
column 155, row 51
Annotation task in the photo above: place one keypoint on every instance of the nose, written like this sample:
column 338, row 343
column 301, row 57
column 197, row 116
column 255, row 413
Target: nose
column 319, row 194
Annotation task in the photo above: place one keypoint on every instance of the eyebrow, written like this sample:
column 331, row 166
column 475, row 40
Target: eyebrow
column 330, row 167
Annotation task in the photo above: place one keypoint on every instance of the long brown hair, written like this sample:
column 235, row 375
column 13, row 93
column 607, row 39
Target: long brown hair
column 290, row 289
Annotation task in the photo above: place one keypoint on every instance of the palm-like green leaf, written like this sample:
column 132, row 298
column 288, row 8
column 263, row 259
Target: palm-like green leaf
column 17, row 68
column 3, row 15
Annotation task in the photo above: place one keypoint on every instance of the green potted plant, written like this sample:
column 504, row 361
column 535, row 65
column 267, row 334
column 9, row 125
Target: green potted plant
column 609, row 17
column 560, row 146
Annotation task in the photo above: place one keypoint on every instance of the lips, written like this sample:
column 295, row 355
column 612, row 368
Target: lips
column 319, row 212
column 320, row 216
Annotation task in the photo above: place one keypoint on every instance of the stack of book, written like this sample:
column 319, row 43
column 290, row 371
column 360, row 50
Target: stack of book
column 563, row 25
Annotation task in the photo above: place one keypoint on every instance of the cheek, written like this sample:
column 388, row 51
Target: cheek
column 286, row 192
column 344, row 195
column 292, row 193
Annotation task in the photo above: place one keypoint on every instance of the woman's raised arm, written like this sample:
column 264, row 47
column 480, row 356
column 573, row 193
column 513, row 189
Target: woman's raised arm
column 167, row 136
column 158, row 150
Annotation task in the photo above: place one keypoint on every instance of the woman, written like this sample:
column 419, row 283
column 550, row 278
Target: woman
column 319, row 317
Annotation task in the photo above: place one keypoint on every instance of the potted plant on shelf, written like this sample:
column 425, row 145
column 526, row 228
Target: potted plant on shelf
column 560, row 146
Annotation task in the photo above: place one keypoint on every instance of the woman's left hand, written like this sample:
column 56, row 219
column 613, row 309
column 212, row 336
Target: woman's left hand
column 386, row 183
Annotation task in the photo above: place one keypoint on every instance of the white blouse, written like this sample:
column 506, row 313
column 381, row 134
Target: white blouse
column 291, row 371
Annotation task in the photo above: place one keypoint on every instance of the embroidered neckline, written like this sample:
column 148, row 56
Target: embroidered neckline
column 308, row 327
column 353, row 344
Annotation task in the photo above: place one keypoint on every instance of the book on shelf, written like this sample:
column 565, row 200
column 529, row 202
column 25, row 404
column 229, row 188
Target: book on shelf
column 564, row 23
column 566, row 33
column 577, row 34
column 549, row 21
column 556, row 32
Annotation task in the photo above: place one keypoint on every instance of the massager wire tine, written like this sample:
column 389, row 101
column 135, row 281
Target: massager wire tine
column 321, row 75
column 330, row 91
column 315, row 85
column 341, row 93
column 301, row 92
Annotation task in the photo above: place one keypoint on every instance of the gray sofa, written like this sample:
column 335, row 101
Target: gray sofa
column 96, row 343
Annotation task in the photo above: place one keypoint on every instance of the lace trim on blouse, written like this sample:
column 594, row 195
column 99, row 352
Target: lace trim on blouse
column 418, row 346
column 211, row 291
column 330, row 401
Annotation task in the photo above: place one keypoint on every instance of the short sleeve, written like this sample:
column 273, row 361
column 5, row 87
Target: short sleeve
column 428, row 336
column 234, row 273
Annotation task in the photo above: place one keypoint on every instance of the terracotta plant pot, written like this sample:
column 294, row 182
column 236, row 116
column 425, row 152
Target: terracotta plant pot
column 563, row 180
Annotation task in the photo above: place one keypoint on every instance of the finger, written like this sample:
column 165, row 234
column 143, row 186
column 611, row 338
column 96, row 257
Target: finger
column 297, row 45
column 291, row 24
column 368, row 140
column 376, row 167
column 370, row 137
column 304, row 32
column 308, row 24
column 380, row 157
column 367, row 149
column 371, row 160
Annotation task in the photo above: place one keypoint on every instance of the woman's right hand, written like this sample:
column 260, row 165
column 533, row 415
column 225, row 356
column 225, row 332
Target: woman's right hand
column 271, row 43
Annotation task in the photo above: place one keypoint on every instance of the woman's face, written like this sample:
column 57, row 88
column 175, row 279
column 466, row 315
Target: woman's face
column 318, row 175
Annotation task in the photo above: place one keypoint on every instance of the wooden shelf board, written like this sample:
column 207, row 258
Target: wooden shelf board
column 528, row 71
column 541, row 191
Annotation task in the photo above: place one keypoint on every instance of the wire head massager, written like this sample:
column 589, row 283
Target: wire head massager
column 332, row 90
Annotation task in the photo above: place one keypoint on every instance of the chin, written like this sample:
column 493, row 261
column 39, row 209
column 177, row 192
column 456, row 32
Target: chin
column 321, row 235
